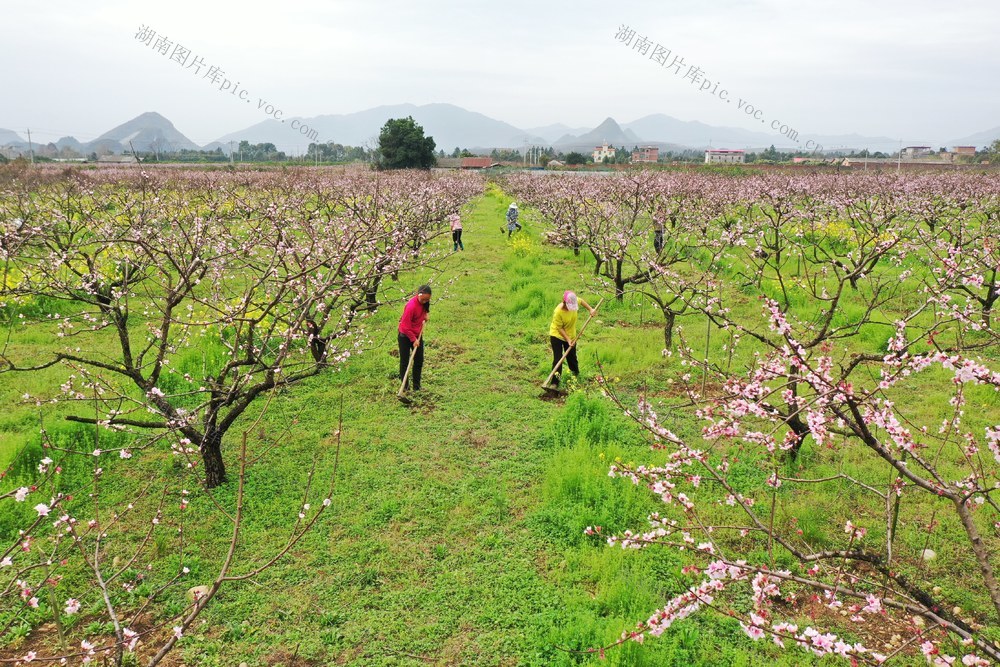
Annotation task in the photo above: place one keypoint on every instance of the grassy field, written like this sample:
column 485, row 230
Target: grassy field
column 457, row 536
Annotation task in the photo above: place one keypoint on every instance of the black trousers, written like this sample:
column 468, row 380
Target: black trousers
column 456, row 238
column 405, row 347
column 558, row 350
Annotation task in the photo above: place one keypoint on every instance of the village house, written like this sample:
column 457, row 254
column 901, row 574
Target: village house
column 476, row 163
column 646, row 154
column 723, row 155
column 117, row 159
column 604, row 151
column 913, row 152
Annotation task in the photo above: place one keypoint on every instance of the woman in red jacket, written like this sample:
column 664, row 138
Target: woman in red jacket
column 411, row 325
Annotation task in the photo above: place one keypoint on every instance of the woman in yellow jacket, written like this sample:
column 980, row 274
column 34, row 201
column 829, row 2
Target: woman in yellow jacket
column 562, row 332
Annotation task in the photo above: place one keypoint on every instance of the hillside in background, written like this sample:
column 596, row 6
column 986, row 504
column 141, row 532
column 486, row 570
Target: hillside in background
column 452, row 126
column 146, row 132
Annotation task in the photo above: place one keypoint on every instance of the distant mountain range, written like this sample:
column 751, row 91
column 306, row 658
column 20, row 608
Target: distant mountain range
column 979, row 139
column 553, row 132
column 147, row 132
column 452, row 126
column 8, row 137
column 609, row 132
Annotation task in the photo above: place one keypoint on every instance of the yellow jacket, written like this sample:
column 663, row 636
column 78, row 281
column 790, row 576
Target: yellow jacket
column 563, row 319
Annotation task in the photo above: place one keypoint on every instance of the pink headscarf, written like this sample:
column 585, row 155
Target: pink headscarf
column 569, row 300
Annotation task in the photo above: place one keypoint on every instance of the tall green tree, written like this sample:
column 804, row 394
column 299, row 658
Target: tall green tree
column 402, row 145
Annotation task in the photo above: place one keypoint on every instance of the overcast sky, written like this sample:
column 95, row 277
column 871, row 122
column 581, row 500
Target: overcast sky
column 917, row 70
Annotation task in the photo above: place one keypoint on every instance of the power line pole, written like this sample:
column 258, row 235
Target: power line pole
column 31, row 149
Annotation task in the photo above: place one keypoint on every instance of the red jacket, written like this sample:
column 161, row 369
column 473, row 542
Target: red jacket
column 412, row 321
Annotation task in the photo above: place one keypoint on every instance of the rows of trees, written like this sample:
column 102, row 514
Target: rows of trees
column 334, row 152
column 331, row 151
column 860, row 361
column 858, row 372
column 179, row 305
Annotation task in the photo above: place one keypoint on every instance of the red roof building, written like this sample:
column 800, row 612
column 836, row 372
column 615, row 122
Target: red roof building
column 476, row 162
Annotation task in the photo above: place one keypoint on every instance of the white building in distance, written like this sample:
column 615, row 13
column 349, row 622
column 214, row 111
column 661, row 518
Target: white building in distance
column 604, row 151
column 913, row 152
column 723, row 155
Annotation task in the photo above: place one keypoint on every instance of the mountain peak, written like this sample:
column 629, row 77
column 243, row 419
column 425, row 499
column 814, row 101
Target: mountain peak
column 147, row 131
column 10, row 137
column 609, row 132
column 151, row 117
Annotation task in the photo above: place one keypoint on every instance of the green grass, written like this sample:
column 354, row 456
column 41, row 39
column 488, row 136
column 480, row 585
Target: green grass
column 457, row 531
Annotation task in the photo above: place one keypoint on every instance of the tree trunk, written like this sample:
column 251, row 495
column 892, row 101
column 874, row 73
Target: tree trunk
column 317, row 343
column 801, row 431
column 988, row 303
column 211, row 456
column 619, row 283
column 981, row 552
column 794, row 421
column 371, row 293
column 668, row 327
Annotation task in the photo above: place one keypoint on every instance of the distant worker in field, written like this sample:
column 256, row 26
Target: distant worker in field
column 659, row 218
column 512, row 223
column 456, row 231
column 562, row 333
column 410, row 339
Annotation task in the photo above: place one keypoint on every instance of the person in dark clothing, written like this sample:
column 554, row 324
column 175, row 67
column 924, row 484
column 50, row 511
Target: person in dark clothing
column 512, row 224
column 411, row 326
